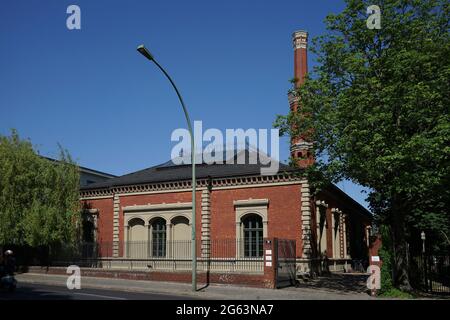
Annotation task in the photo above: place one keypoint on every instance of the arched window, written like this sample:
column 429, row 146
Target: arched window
column 88, row 247
column 136, row 240
column 253, row 236
column 88, row 231
column 159, row 237
column 181, row 237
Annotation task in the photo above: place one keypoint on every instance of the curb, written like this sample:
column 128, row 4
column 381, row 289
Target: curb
column 117, row 288
column 180, row 292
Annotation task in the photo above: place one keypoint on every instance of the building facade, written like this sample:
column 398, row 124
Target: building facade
column 147, row 214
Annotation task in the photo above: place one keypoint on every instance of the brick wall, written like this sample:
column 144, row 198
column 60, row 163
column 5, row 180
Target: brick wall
column 264, row 280
column 254, row 280
column 356, row 221
column 284, row 220
column 105, row 217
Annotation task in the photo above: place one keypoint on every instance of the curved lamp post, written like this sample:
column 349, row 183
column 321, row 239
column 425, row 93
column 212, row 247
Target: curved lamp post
column 143, row 50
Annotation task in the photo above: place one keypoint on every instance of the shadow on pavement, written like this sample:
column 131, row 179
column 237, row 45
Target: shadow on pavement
column 341, row 282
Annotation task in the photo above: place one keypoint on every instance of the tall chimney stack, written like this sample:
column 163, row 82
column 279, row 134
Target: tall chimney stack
column 300, row 43
column 300, row 147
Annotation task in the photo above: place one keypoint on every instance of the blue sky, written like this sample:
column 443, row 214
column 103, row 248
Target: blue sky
column 92, row 92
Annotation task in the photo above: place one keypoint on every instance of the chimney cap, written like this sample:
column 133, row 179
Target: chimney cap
column 300, row 33
column 300, row 39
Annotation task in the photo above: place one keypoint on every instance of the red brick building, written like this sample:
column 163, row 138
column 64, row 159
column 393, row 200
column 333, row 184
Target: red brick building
column 151, row 209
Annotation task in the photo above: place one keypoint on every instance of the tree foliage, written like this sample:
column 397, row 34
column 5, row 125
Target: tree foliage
column 377, row 109
column 39, row 198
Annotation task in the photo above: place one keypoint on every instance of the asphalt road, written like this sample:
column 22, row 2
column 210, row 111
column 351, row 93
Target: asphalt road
column 29, row 291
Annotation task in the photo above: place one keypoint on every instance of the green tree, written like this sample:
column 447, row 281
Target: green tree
column 376, row 107
column 39, row 198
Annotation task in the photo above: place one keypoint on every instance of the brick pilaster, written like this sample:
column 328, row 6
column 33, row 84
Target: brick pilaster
column 341, row 236
column 206, row 223
column 116, row 226
column 270, row 262
column 306, row 219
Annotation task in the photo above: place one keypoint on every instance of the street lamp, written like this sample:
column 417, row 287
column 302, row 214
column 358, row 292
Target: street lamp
column 143, row 50
column 422, row 236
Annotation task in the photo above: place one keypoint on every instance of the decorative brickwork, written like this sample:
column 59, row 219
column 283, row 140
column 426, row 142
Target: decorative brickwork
column 305, row 213
column 206, row 223
column 116, row 239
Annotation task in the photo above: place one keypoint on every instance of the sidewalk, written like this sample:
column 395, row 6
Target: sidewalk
column 215, row 292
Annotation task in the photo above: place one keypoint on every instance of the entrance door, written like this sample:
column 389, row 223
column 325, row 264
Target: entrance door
column 286, row 262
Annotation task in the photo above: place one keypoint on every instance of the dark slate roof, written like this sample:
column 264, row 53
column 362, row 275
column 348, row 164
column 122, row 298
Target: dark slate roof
column 168, row 171
column 335, row 192
column 85, row 169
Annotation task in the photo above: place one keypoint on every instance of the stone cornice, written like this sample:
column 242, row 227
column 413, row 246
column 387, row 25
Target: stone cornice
column 293, row 98
column 336, row 211
column 251, row 202
column 300, row 39
column 185, row 185
column 158, row 207
column 90, row 211
column 321, row 203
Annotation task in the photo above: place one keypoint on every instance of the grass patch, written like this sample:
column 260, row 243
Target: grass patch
column 396, row 293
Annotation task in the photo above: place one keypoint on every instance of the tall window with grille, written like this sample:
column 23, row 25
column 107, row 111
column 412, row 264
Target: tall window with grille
column 159, row 238
column 253, row 236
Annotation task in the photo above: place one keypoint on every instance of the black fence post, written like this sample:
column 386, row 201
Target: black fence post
column 429, row 283
column 425, row 275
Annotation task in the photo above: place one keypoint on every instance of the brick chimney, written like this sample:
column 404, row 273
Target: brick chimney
column 300, row 148
column 300, row 43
